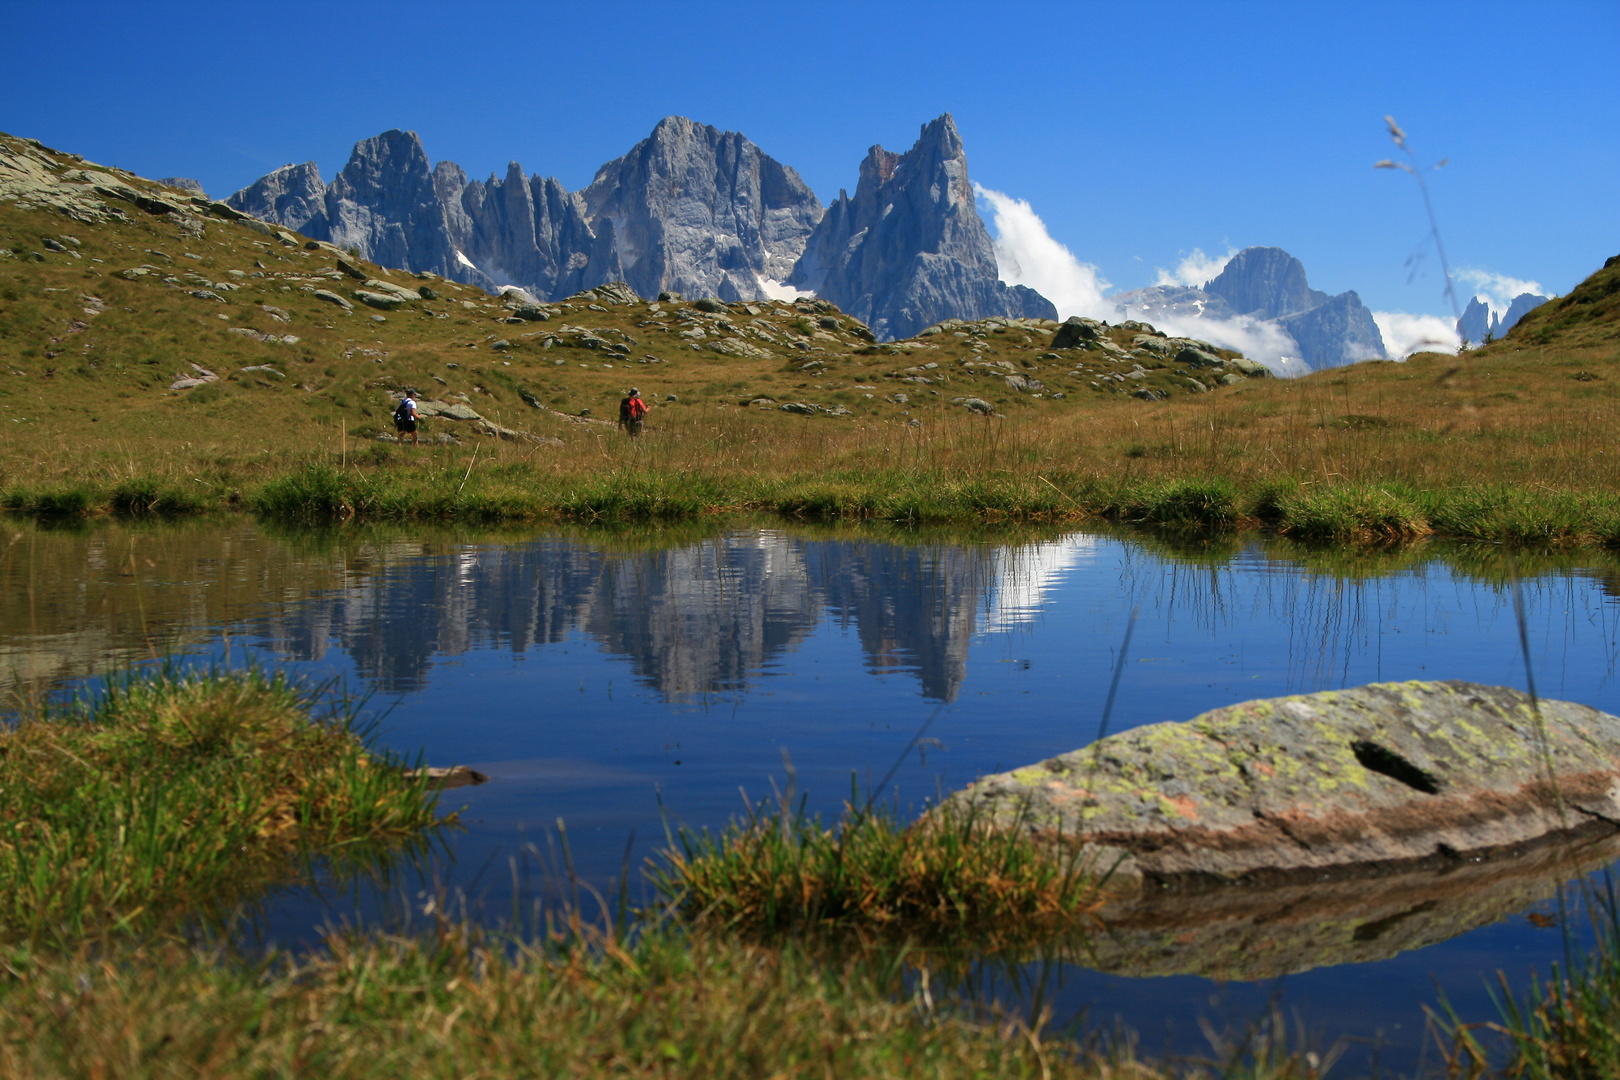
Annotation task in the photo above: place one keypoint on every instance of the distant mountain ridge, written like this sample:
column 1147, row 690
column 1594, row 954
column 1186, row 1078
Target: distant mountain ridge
column 689, row 209
column 1269, row 286
column 1479, row 322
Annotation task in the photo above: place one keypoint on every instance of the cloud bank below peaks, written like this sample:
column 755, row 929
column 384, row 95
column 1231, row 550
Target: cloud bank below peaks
column 1026, row 254
column 1406, row 334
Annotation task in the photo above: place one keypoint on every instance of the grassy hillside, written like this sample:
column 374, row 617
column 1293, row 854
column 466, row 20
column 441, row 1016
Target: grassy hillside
column 114, row 292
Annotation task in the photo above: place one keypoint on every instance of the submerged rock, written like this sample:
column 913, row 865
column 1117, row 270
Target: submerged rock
column 1336, row 782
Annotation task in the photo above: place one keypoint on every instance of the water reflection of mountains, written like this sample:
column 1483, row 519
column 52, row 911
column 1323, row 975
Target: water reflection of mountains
column 692, row 620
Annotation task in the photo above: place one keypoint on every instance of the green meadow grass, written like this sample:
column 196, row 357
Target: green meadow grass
column 173, row 797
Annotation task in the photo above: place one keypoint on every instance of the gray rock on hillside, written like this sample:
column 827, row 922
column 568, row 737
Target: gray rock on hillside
column 1327, row 783
column 909, row 249
column 185, row 183
column 702, row 212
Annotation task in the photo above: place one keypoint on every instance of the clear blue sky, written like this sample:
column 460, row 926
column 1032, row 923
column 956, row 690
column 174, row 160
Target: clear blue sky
column 1138, row 132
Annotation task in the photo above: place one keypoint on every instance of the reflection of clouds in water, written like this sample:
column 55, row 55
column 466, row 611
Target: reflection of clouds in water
column 1023, row 579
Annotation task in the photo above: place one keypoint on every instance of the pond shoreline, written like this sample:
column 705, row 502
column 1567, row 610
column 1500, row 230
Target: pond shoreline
column 1342, row 513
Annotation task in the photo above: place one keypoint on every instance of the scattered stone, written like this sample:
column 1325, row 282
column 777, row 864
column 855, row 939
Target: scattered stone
column 333, row 298
column 978, row 405
column 710, row 305
column 427, row 292
column 352, row 270
column 267, row 369
column 671, row 397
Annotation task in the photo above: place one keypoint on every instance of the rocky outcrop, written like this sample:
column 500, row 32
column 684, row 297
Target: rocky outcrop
column 702, row 212
column 909, row 249
column 1335, row 783
column 186, row 184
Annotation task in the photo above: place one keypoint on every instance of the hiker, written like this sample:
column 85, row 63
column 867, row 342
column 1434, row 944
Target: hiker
column 405, row 417
column 632, row 412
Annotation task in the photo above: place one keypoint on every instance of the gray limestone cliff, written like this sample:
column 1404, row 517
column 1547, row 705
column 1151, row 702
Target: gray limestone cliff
column 909, row 249
column 1338, row 331
column 293, row 196
column 690, row 209
column 702, row 212
column 1479, row 322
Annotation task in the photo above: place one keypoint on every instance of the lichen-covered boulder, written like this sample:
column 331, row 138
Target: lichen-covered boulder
column 1378, row 775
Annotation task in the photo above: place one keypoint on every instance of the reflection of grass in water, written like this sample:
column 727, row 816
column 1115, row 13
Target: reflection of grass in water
column 174, row 796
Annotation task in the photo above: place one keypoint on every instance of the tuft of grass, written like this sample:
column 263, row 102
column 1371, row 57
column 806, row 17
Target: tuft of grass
column 948, row 873
column 459, row 1003
column 177, row 795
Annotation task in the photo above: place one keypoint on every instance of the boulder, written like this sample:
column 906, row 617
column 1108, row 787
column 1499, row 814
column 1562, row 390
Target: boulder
column 978, row 405
column 1198, row 358
column 352, row 270
column 1334, row 783
column 1076, row 331
column 400, row 292
column 385, row 301
column 333, row 298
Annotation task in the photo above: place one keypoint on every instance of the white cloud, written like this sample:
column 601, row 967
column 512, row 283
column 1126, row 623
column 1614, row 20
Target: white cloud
column 1498, row 290
column 1195, row 269
column 1406, row 334
column 1026, row 254
column 1258, row 340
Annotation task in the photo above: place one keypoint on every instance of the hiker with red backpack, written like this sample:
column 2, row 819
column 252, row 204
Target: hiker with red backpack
column 632, row 413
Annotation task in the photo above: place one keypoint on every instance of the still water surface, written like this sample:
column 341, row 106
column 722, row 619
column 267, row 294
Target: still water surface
column 591, row 675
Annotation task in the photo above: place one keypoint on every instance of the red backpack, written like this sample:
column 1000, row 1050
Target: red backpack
column 638, row 408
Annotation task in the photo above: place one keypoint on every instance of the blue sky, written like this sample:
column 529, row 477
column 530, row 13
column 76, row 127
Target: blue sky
column 1138, row 133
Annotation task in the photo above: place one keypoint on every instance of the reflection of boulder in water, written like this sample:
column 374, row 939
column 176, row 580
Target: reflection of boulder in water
column 1261, row 930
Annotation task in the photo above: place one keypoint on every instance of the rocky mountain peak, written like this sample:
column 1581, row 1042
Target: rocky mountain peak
column 703, row 212
column 1265, row 282
column 909, row 249
column 293, row 195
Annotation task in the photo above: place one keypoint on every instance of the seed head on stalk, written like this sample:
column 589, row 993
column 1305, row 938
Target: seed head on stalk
column 1411, row 168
